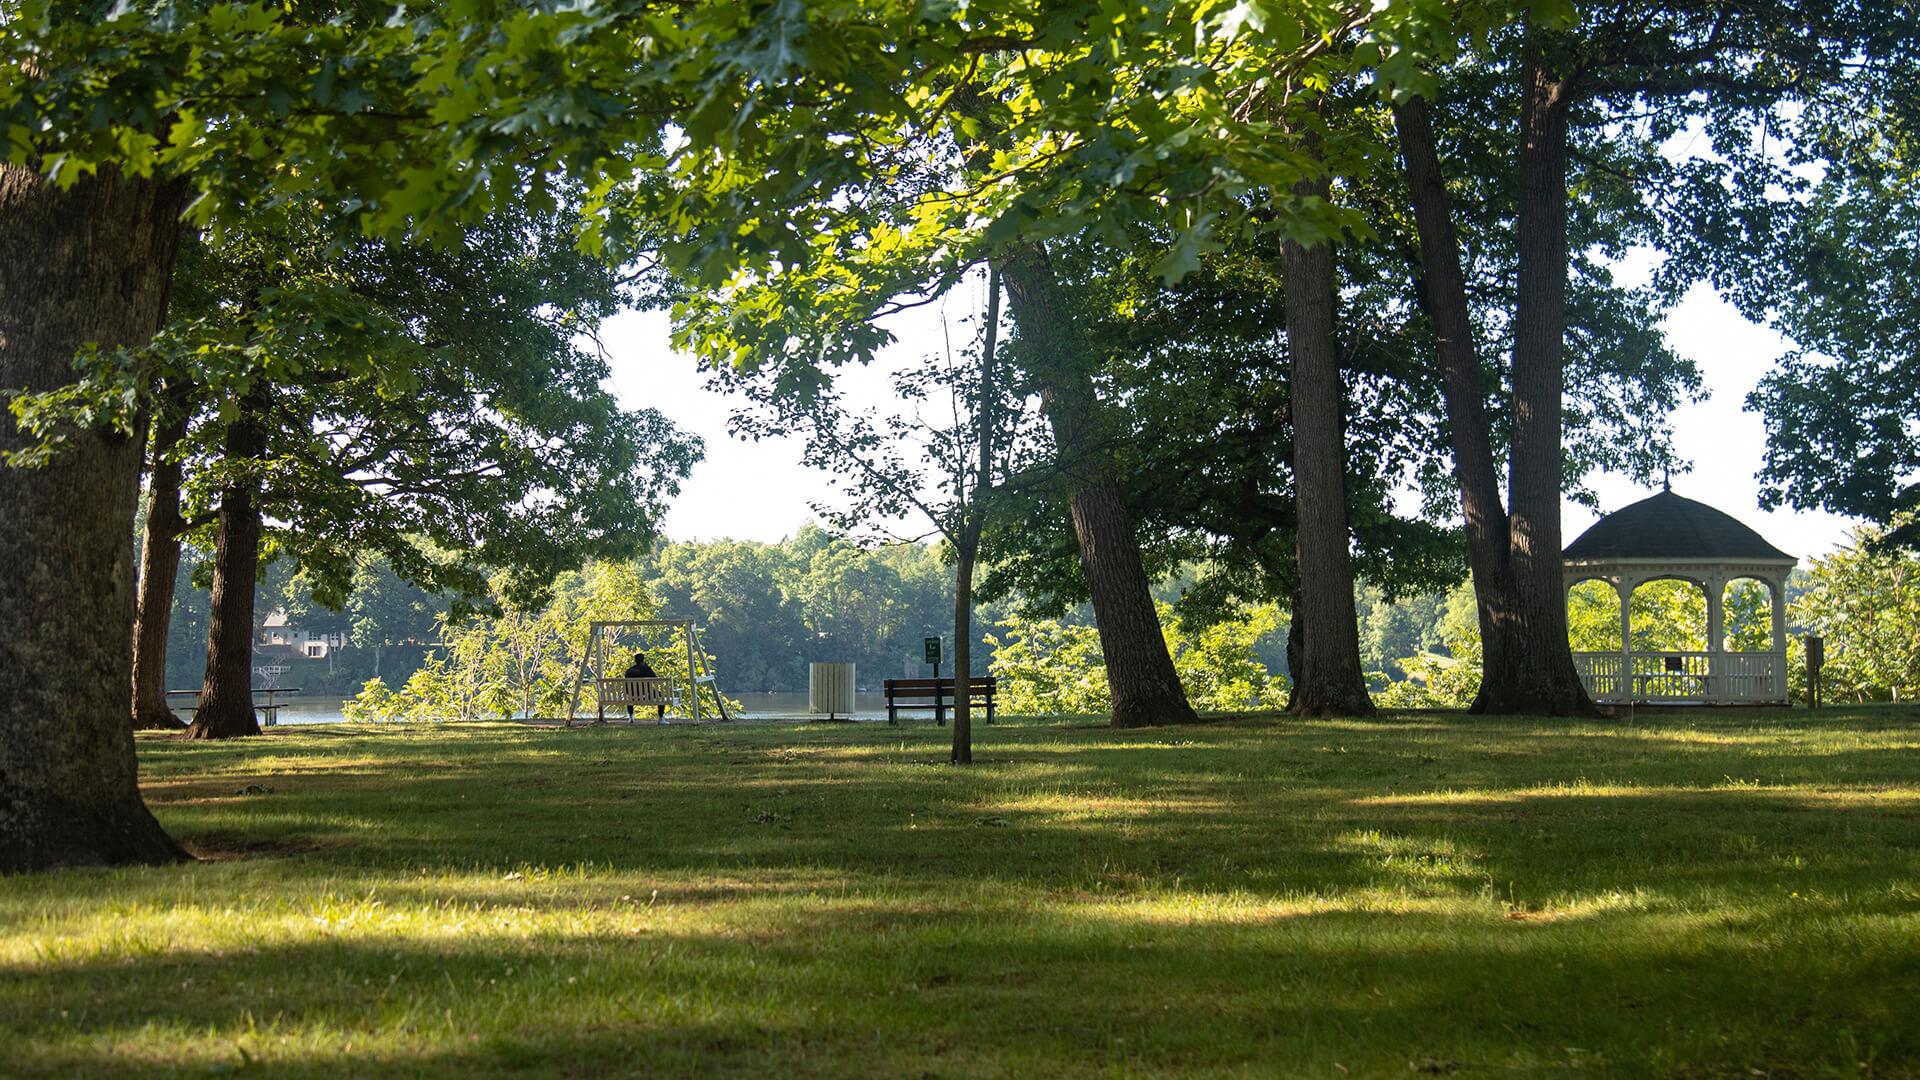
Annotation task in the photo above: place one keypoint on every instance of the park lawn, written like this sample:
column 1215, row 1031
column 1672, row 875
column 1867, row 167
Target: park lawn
column 1709, row 894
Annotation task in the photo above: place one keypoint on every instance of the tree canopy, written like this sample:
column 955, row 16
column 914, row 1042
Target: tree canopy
column 439, row 405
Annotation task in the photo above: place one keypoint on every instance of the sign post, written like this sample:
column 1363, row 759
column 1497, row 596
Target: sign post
column 939, row 703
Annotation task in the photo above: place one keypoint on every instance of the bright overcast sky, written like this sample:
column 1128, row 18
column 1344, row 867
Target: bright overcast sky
column 759, row 491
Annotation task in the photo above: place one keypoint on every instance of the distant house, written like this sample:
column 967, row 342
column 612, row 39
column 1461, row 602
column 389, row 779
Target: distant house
column 278, row 635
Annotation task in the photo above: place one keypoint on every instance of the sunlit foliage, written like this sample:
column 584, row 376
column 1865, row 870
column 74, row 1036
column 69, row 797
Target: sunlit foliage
column 1046, row 666
column 1865, row 601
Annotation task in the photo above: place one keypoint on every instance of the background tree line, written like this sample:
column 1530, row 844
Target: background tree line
column 767, row 609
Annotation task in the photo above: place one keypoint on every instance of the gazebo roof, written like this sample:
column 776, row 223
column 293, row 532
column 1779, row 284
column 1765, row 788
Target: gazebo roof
column 1667, row 526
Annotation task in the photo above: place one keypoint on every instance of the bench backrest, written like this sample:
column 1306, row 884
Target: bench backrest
column 636, row 691
column 928, row 688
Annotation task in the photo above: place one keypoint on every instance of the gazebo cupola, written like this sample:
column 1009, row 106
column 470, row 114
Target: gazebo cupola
column 1667, row 537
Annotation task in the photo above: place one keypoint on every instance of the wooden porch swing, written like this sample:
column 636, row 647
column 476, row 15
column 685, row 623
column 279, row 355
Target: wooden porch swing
column 617, row 690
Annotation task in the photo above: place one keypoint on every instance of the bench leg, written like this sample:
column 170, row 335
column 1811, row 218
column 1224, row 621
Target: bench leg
column 892, row 715
column 989, row 710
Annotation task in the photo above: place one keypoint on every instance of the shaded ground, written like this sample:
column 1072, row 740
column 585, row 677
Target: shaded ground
column 1716, row 894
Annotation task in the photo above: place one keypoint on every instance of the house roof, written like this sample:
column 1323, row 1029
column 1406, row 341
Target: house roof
column 1668, row 526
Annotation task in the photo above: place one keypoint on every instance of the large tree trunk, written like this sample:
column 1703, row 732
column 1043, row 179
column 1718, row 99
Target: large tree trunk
column 159, row 565
column 1444, row 292
column 1515, row 557
column 226, row 696
column 1549, row 684
column 87, row 265
column 1329, row 682
column 1140, row 675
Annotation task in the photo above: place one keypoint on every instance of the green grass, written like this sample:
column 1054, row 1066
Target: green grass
column 1731, row 894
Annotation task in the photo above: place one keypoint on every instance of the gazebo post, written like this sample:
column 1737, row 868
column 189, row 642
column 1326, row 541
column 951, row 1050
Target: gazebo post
column 1624, row 585
column 1778, row 588
column 1715, row 588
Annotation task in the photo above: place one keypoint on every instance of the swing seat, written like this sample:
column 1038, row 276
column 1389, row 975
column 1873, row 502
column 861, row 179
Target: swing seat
column 638, row 692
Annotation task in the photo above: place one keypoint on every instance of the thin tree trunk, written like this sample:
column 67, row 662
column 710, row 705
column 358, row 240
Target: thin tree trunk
column 971, row 526
column 969, row 549
column 226, row 696
column 1140, row 675
column 1463, row 388
column 159, row 565
column 1330, row 682
column 90, row 264
column 1549, row 684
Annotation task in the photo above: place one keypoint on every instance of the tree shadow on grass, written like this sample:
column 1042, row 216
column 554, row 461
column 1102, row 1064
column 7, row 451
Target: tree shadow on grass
column 1244, row 897
column 1252, row 809
column 1532, row 851
column 895, row 988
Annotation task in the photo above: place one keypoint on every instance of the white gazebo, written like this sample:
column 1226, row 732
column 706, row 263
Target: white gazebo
column 1667, row 537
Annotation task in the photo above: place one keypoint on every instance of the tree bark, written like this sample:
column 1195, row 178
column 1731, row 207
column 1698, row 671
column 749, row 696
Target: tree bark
column 1140, row 675
column 1549, row 684
column 226, row 696
column 1463, row 389
column 1296, row 641
column 1515, row 555
column 969, row 549
column 1329, row 682
column 159, row 565
column 90, row 264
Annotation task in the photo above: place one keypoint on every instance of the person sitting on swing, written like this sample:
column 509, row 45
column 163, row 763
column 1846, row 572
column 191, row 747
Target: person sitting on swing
column 640, row 669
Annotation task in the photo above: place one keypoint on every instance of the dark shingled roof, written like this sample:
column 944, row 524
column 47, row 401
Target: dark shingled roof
column 1667, row 526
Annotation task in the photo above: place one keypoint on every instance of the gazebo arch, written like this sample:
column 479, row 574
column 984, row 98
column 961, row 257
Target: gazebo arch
column 1668, row 536
column 1688, row 591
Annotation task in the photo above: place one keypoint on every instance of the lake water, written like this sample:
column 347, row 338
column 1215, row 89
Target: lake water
column 764, row 707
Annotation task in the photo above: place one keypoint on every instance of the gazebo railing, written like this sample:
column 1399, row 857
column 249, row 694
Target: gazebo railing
column 1753, row 676
column 1683, row 677
column 1672, row 676
column 1605, row 674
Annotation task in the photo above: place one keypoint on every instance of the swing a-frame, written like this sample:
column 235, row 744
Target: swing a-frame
column 656, row 693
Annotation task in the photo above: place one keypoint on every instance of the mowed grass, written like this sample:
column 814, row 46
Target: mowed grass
column 1713, row 894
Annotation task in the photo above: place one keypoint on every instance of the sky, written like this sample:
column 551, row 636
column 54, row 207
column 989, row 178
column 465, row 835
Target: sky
column 759, row 491
column 1724, row 442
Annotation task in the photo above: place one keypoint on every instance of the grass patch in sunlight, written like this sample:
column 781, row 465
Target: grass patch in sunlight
column 1706, row 894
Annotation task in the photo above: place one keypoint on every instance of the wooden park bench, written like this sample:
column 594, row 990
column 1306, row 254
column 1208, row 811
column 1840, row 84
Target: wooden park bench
column 935, row 694
column 269, row 710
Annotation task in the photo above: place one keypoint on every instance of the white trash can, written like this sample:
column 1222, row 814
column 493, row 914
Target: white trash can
column 830, row 690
